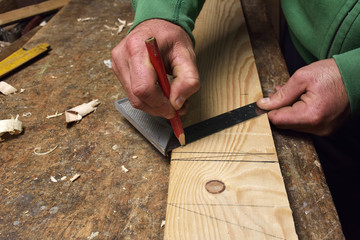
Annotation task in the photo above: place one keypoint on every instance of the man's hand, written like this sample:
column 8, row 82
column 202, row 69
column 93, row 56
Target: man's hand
column 314, row 100
column 133, row 68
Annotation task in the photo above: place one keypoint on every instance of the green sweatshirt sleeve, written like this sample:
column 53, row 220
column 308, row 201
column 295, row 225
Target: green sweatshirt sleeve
column 348, row 64
column 180, row 12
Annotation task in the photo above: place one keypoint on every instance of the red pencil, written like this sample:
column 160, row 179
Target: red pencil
column 156, row 61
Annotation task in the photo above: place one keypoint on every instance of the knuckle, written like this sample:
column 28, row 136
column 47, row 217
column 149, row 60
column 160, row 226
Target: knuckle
column 141, row 91
column 303, row 75
column 133, row 47
column 137, row 104
column 194, row 83
column 315, row 119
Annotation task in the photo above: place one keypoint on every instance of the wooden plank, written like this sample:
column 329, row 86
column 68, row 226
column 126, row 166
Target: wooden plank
column 29, row 11
column 254, row 204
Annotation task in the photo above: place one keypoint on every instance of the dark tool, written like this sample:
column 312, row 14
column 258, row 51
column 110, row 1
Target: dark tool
column 158, row 131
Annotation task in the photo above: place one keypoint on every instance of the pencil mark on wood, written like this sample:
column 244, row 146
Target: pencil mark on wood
column 219, row 160
column 223, row 156
column 226, row 221
column 227, row 205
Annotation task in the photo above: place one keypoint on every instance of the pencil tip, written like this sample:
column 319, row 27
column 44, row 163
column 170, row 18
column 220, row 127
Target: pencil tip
column 182, row 139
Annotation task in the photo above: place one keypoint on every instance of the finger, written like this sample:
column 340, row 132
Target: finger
column 301, row 116
column 284, row 96
column 183, row 110
column 118, row 63
column 120, row 67
column 289, row 116
column 148, row 95
column 186, row 77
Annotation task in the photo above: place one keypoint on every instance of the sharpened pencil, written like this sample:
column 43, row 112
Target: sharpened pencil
column 155, row 58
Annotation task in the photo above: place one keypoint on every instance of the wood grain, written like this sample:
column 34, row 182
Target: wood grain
column 29, row 11
column 7, row 5
column 254, row 204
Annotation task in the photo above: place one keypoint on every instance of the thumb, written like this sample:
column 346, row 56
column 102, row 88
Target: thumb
column 285, row 96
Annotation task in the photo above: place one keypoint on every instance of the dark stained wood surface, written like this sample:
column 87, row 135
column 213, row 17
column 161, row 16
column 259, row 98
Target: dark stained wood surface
column 106, row 202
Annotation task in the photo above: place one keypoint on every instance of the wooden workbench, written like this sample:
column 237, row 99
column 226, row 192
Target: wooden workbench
column 107, row 202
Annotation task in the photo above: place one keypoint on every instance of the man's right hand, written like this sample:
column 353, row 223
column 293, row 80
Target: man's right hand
column 132, row 66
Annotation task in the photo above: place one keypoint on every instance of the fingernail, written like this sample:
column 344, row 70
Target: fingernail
column 179, row 102
column 265, row 100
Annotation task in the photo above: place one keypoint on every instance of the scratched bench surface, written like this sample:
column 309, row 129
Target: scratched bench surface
column 107, row 201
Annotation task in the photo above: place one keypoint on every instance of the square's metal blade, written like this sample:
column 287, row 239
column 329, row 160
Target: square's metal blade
column 159, row 132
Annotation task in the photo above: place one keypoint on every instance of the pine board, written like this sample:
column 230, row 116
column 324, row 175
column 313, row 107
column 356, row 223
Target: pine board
column 32, row 10
column 254, row 204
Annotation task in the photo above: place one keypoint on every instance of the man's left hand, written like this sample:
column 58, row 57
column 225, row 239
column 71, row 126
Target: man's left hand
column 314, row 100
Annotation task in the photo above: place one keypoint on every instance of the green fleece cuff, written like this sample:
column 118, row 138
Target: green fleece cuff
column 180, row 12
column 349, row 66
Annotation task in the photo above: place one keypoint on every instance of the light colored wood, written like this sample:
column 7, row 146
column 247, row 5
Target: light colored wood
column 254, row 204
column 29, row 11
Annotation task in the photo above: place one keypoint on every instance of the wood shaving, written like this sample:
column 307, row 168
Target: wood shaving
column 76, row 176
column 38, row 149
column 54, row 115
column 53, row 179
column 122, row 22
column 93, row 235
column 11, row 126
column 120, row 25
column 28, row 114
column 162, row 223
column 134, row 157
column 6, row 88
column 4, row 44
column 107, row 63
column 110, row 28
column 86, row 19
column 76, row 113
column 124, row 168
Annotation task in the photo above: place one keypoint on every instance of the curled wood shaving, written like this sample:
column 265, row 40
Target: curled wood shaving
column 76, row 113
column 6, row 88
column 11, row 126
column 38, row 149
